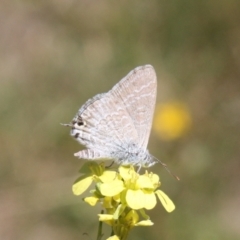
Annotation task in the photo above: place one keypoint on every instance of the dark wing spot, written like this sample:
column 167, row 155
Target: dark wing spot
column 80, row 123
column 76, row 135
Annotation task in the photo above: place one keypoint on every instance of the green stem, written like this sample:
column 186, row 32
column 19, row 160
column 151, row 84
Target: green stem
column 100, row 234
column 112, row 233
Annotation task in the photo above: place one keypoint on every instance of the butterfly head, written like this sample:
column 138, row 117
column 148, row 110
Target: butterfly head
column 76, row 125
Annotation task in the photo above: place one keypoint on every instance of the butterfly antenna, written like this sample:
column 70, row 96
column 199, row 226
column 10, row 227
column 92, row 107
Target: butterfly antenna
column 67, row 124
column 166, row 167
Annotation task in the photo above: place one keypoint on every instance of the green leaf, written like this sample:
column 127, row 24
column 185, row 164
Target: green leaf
column 87, row 166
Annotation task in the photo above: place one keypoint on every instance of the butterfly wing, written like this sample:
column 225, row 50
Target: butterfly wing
column 102, row 125
column 105, row 123
column 137, row 92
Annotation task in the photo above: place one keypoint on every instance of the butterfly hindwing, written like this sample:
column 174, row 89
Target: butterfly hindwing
column 105, row 125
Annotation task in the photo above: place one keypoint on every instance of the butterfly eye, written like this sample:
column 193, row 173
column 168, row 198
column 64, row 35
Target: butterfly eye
column 80, row 124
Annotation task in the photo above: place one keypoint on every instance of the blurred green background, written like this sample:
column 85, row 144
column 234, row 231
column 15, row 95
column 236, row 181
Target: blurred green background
column 54, row 55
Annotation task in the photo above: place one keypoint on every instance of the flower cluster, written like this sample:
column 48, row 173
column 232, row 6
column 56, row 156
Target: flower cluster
column 124, row 194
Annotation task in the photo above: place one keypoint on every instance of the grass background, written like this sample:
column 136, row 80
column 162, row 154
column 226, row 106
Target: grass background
column 54, row 55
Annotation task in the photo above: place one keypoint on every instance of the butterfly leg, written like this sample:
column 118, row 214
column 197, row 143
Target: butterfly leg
column 139, row 168
column 109, row 166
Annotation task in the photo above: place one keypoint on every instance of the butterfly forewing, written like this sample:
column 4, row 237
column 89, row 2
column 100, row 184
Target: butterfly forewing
column 138, row 93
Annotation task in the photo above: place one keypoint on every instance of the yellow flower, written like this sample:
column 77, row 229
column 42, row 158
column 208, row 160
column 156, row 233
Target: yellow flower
column 91, row 171
column 172, row 120
column 124, row 195
column 139, row 188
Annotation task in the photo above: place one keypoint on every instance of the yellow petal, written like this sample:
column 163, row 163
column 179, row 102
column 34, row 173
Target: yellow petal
column 105, row 217
column 111, row 188
column 144, row 223
column 144, row 182
column 150, row 200
column 81, row 185
column 135, row 199
column 115, row 237
column 108, row 176
column 126, row 172
column 91, row 200
column 165, row 200
column 154, row 179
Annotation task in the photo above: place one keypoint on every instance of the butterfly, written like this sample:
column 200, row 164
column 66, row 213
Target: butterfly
column 116, row 125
